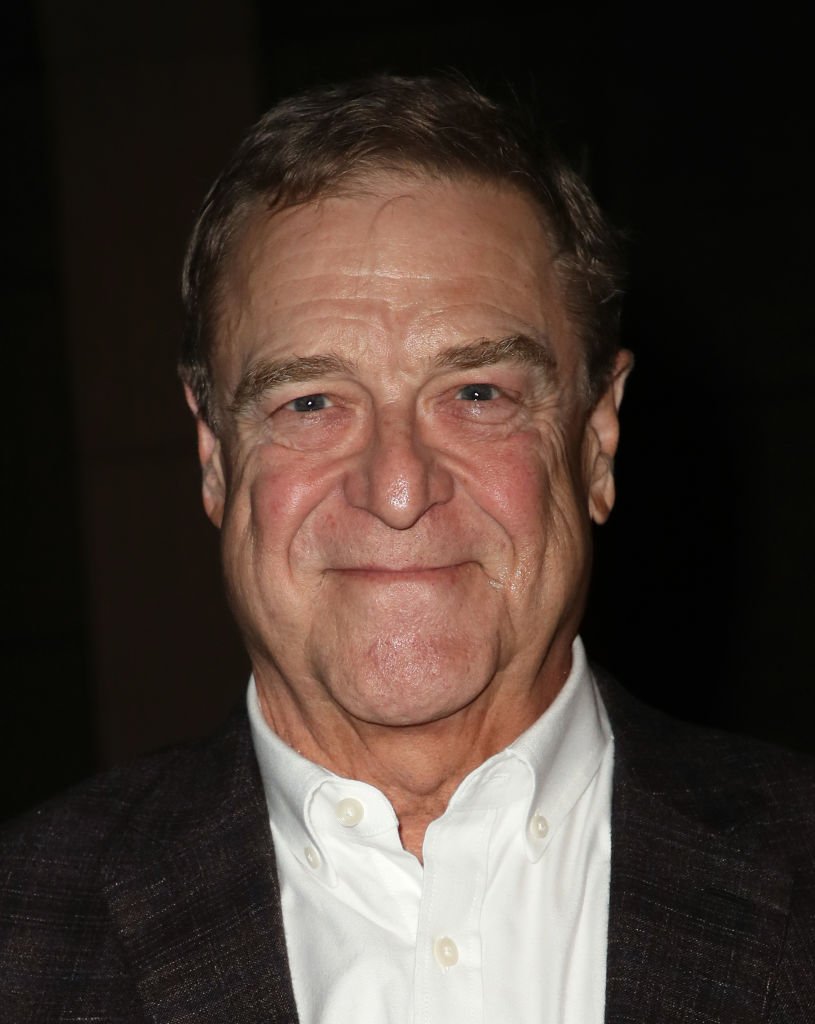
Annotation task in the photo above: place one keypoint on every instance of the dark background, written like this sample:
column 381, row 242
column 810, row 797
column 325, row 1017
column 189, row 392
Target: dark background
column 693, row 127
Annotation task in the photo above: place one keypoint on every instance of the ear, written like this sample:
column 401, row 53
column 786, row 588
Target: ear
column 601, row 438
column 210, row 456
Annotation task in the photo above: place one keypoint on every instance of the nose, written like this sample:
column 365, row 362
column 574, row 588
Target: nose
column 397, row 477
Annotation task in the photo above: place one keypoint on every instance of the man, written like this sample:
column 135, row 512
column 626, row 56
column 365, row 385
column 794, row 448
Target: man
column 403, row 363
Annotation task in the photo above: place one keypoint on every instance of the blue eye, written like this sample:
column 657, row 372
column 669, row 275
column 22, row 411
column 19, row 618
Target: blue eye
column 478, row 393
column 309, row 403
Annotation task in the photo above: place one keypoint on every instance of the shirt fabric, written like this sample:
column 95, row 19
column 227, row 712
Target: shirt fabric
column 507, row 918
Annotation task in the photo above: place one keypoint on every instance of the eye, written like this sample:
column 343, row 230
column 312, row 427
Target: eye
column 309, row 403
column 478, row 393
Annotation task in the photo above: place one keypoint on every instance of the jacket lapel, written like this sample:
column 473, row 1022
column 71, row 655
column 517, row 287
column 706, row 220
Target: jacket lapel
column 193, row 892
column 697, row 914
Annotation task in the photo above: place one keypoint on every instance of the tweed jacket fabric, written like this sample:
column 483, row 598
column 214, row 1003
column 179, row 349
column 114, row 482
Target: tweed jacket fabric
column 150, row 893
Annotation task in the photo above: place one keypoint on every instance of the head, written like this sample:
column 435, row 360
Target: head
column 327, row 141
column 402, row 357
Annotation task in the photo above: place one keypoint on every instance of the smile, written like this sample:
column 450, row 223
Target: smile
column 402, row 574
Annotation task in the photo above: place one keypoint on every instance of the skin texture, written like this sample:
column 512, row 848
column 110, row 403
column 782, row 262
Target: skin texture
column 404, row 474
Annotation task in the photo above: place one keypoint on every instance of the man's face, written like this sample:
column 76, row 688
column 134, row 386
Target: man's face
column 405, row 468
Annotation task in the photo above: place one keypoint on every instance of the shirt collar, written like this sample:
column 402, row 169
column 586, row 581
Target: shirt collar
column 563, row 750
column 559, row 754
column 289, row 784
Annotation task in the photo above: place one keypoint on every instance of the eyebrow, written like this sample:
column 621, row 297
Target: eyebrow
column 264, row 376
column 534, row 350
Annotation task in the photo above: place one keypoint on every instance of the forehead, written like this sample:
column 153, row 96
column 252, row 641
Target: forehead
column 400, row 266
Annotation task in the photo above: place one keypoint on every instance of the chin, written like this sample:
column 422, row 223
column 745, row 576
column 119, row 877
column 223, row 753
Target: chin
column 411, row 679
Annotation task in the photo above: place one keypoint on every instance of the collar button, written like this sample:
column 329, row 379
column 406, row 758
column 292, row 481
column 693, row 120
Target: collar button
column 538, row 826
column 349, row 811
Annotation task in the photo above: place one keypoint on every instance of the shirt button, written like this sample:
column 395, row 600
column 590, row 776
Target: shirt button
column 312, row 857
column 445, row 951
column 349, row 812
column 538, row 826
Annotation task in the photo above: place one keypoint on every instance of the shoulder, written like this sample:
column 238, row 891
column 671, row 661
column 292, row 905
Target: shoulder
column 732, row 782
column 658, row 737
column 88, row 815
column 58, row 861
column 716, row 831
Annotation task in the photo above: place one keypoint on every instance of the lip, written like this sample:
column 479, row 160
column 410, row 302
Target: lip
column 399, row 574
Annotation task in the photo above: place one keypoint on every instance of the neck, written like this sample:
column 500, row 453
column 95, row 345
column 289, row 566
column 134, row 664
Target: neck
column 418, row 767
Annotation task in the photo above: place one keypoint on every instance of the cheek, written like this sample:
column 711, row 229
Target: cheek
column 275, row 500
column 517, row 482
column 527, row 486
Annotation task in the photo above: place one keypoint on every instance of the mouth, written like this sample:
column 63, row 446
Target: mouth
column 376, row 573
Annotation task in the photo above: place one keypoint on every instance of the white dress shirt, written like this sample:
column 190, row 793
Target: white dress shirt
column 507, row 919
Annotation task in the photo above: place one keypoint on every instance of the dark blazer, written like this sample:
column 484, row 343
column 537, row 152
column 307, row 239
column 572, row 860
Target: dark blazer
column 150, row 894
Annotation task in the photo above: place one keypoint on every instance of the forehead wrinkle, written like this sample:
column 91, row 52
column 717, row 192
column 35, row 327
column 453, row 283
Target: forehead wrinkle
column 534, row 350
column 375, row 260
column 265, row 375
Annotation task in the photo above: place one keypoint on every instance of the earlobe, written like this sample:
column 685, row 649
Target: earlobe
column 602, row 436
column 213, row 485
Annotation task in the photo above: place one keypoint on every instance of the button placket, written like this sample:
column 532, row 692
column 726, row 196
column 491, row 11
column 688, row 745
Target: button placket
column 449, row 976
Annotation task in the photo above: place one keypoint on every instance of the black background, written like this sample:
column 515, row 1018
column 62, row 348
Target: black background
column 694, row 129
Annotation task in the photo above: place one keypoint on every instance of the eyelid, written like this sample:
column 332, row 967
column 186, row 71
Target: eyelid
column 497, row 392
column 304, row 397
